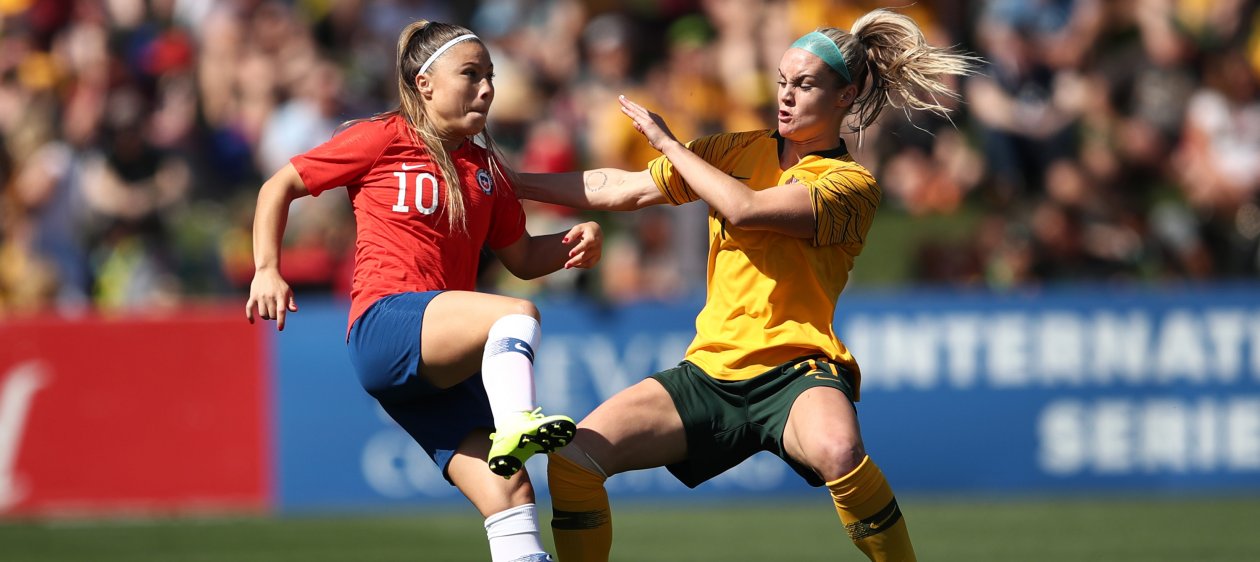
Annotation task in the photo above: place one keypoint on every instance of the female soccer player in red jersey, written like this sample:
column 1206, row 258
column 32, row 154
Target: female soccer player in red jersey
column 428, row 194
column 790, row 210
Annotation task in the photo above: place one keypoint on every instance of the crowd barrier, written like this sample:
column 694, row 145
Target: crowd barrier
column 1076, row 390
column 155, row 414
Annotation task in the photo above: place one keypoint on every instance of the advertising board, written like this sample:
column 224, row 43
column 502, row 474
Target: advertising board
column 133, row 415
column 1076, row 390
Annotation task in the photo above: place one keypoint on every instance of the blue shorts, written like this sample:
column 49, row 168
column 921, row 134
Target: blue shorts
column 384, row 346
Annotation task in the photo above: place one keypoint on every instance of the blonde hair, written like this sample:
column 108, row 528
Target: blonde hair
column 416, row 44
column 889, row 50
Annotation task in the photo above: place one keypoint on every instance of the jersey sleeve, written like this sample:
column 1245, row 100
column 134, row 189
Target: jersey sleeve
column 342, row 159
column 844, row 202
column 508, row 222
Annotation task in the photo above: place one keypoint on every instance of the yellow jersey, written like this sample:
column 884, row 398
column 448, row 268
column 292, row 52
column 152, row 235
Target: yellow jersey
column 772, row 297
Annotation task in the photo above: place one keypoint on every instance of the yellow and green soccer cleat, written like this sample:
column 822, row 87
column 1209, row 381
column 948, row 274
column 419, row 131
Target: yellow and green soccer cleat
column 533, row 433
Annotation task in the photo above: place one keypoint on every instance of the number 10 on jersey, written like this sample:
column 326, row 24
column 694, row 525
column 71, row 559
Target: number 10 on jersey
column 426, row 184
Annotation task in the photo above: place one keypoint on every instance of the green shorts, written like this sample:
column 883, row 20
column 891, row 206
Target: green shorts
column 729, row 421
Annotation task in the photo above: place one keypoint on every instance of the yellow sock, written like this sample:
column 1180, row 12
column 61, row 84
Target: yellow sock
column 870, row 514
column 581, row 519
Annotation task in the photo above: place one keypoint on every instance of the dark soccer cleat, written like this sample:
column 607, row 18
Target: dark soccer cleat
column 533, row 433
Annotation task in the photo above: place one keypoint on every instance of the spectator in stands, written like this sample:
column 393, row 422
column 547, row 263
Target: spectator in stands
column 1103, row 84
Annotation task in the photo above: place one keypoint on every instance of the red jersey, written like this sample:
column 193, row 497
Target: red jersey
column 404, row 241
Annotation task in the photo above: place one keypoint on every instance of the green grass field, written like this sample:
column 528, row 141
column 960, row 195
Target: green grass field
column 1199, row 530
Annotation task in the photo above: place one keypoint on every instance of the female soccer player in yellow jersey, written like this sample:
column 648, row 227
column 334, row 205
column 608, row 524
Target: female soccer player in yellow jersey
column 790, row 210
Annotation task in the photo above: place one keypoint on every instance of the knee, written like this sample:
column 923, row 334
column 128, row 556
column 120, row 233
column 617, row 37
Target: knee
column 836, row 458
column 523, row 307
column 574, row 481
column 581, row 458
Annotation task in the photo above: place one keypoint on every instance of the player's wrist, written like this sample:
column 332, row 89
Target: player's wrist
column 671, row 146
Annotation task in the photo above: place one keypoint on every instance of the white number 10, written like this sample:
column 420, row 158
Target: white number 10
column 424, row 182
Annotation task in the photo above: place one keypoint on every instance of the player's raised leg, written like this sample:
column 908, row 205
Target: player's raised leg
column 521, row 429
column 503, row 333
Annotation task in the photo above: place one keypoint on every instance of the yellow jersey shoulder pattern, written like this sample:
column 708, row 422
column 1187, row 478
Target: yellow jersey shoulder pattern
column 845, row 198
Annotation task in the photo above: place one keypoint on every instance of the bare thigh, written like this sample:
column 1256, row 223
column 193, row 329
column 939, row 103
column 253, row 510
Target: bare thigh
column 822, row 433
column 636, row 428
column 456, row 325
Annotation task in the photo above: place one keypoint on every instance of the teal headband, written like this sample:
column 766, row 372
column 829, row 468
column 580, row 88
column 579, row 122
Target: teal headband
column 824, row 48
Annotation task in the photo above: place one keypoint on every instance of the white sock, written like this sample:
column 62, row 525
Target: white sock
column 507, row 366
column 514, row 534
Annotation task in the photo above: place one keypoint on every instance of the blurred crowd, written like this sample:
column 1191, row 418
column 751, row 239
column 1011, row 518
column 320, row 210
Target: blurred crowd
column 1100, row 141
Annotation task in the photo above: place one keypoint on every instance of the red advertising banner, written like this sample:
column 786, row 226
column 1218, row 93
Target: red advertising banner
column 147, row 415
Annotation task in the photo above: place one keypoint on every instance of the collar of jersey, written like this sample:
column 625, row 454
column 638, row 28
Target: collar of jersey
column 834, row 153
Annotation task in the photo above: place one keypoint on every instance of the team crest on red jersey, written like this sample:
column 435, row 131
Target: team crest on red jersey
column 484, row 181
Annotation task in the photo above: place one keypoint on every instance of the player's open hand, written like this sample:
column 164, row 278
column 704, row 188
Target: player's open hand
column 587, row 241
column 648, row 123
column 269, row 297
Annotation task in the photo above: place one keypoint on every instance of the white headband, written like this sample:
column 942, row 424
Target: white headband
column 443, row 49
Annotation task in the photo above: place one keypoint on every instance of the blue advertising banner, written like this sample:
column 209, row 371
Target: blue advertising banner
column 1076, row 390
column 1062, row 390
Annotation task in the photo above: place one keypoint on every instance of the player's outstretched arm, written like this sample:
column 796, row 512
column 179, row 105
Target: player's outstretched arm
column 783, row 208
column 269, row 294
column 604, row 189
column 534, row 256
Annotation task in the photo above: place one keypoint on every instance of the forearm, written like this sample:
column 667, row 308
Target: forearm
column 560, row 189
column 783, row 208
column 604, row 189
column 271, row 216
column 543, row 255
column 725, row 194
column 786, row 209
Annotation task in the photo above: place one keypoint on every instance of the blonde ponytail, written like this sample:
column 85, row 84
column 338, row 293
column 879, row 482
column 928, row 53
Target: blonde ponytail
column 892, row 64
